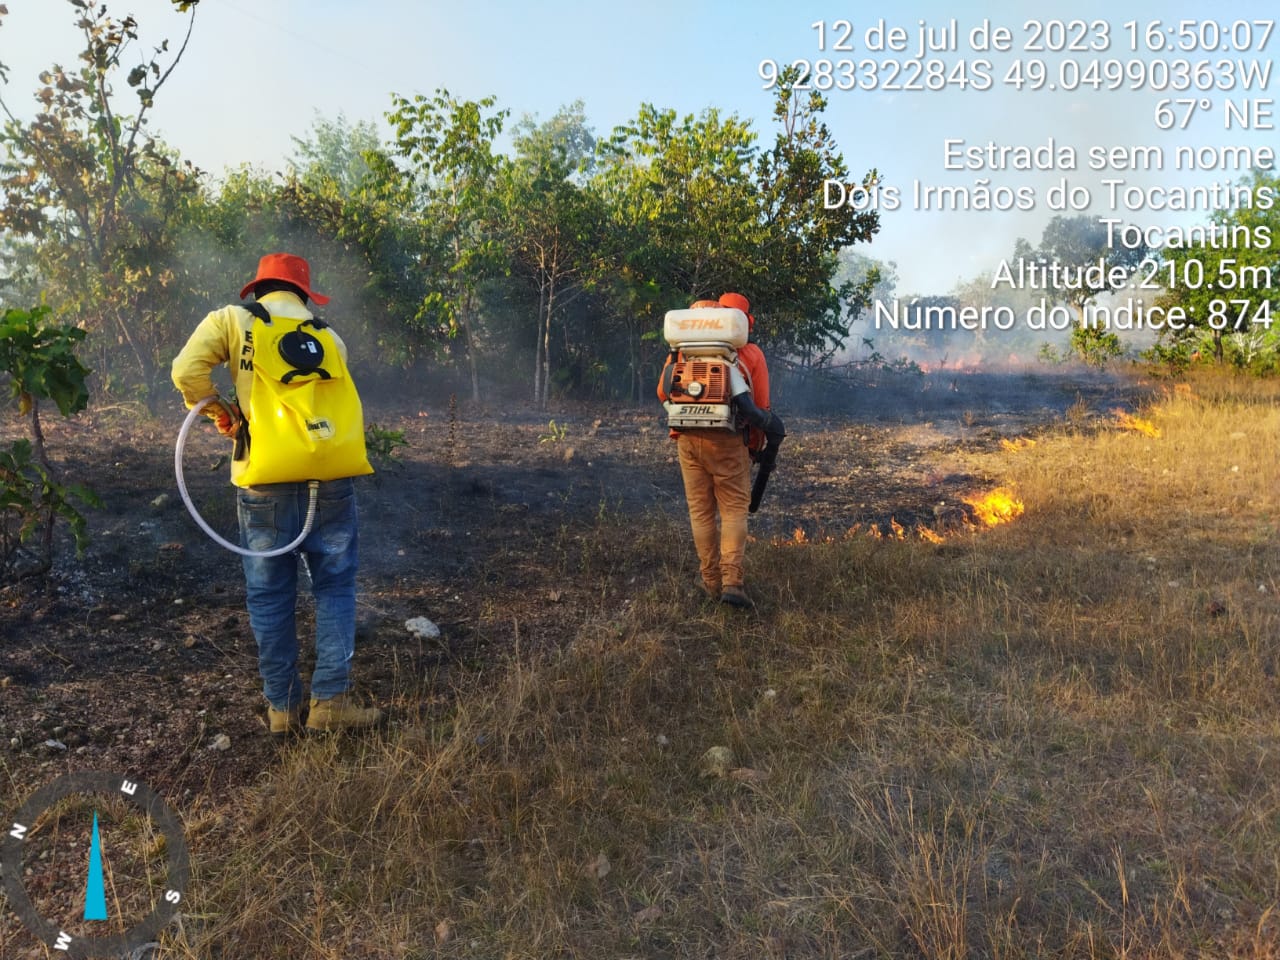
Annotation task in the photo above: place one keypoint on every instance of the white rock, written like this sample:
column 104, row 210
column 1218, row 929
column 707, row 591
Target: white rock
column 221, row 743
column 55, row 744
column 422, row 628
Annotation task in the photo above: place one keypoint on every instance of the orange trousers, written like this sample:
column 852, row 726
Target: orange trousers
column 717, row 484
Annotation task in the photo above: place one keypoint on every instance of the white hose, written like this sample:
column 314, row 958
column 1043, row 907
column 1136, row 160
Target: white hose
column 313, row 489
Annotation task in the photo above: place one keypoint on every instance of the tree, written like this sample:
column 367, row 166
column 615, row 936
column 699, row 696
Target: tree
column 1227, row 289
column 448, row 144
column 681, row 199
column 549, row 221
column 337, row 153
column 698, row 209
column 678, row 222
column 1079, row 265
column 40, row 360
column 347, row 186
column 791, row 276
column 96, row 199
column 363, row 247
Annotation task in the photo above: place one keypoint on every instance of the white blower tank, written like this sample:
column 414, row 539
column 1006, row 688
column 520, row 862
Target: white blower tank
column 705, row 331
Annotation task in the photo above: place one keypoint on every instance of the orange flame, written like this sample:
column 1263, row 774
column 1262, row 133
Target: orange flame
column 799, row 538
column 1018, row 443
column 998, row 506
column 1127, row 422
column 994, row 508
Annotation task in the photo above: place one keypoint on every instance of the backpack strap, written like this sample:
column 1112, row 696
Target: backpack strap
column 668, row 372
column 258, row 310
column 263, row 314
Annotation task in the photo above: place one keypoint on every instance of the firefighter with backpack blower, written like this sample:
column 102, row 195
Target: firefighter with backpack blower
column 715, row 390
column 298, row 429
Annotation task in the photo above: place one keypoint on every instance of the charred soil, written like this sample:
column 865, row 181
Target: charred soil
column 138, row 656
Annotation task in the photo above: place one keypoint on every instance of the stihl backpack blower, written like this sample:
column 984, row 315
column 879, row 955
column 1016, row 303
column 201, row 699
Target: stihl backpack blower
column 704, row 386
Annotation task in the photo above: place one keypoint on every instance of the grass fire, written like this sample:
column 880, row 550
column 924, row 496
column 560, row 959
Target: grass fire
column 1127, row 421
column 998, row 506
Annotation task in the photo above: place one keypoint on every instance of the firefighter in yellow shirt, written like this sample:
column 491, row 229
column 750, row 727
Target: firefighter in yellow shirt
column 272, row 514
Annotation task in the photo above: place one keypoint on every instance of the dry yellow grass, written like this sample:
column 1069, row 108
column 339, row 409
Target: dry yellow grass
column 1054, row 738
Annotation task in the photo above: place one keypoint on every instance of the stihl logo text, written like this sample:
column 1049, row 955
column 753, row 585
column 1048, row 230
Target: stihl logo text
column 700, row 323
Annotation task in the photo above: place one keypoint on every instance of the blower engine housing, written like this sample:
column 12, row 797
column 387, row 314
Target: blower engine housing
column 705, row 377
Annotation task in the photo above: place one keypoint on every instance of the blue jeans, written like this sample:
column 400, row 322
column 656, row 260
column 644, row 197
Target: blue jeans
column 272, row 516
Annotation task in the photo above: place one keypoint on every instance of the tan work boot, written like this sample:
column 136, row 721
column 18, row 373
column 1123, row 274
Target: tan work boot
column 341, row 713
column 284, row 723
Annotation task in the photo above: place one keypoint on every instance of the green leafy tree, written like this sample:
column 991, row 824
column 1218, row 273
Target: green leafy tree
column 359, row 209
column 682, row 201
column 679, row 223
column 364, row 250
column 790, row 277
column 397, row 247
column 1229, row 291
column 96, row 200
column 697, row 208
column 448, row 146
column 41, row 363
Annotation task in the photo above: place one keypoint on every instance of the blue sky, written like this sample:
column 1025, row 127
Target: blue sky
column 257, row 72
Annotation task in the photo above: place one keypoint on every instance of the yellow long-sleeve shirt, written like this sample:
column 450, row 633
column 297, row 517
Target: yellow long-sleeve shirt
column 226, row 336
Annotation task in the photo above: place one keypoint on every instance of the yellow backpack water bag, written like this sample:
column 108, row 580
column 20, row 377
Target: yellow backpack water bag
column 304, row 415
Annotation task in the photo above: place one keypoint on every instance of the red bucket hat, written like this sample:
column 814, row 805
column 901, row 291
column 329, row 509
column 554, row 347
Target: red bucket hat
column 286, row 267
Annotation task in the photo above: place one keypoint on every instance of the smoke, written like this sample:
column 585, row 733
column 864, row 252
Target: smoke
column 1007, row 398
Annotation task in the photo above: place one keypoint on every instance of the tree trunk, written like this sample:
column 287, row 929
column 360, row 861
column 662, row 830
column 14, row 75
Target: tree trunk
column 537, row 348
column 464, row 324
column 146, row 368
column 474, row 367
column 546, row 341
column 37, row 447
column 37, row 434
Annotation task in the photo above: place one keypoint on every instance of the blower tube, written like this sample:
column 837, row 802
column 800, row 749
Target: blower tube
column 313, row 487
column 774, row 432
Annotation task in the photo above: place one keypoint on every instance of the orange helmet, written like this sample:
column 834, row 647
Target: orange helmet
column 738, row 302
